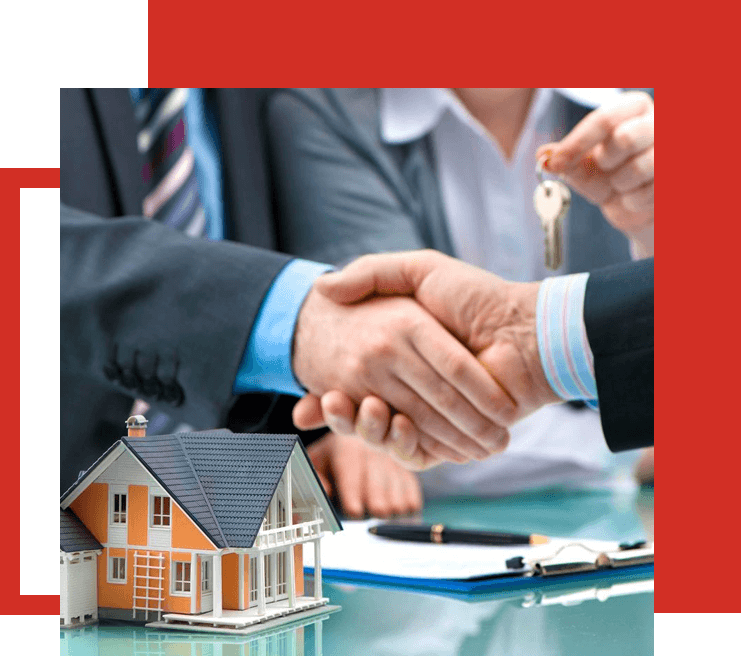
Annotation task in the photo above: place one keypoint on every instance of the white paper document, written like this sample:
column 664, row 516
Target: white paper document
column 355, row 550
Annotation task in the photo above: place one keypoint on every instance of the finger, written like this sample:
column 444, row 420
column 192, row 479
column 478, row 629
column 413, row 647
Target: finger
column 627, row 139
column 410, row 400
column 307, row 413
column 473, row 400
column 349, row 476
column 395, row 495
column 319, row 453
column 635, row 223
column 326, row 484
column 417, row 450
column 386, row 274
column 410, row 490
column 373, row 419
column 640, row 200
column 634, row 173
column 413, row 491
column 378, row 485
column 597, row 126
column 591, row 182
column 339, row 412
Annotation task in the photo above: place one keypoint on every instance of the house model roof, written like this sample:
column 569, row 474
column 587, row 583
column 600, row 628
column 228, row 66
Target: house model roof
column 224, row 481
column 73, row 534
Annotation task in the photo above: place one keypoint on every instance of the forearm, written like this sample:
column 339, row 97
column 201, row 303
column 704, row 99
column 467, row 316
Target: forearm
column 151, row 312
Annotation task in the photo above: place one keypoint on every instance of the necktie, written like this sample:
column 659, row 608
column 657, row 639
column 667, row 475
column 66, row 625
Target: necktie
column 169, row 165
column 172, row 188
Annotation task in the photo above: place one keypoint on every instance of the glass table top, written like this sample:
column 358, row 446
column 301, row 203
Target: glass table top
column 601, row 617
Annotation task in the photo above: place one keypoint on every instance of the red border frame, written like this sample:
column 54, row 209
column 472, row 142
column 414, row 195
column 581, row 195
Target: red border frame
column 12, row 602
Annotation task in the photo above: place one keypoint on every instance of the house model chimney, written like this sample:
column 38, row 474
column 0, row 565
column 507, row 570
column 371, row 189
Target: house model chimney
column 137, row 425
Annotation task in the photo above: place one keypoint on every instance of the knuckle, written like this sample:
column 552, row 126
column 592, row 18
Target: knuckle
column 484, row 432
column 447, row 399
column 359, row 368
column 381, row 347
column 625, row 139
column 458, row 366
column 378, row 507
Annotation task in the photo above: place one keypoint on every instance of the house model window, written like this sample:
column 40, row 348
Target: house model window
column 205, row 575
column 117, row 569
column 119, row 509
column 160, row 511
column 182, row 577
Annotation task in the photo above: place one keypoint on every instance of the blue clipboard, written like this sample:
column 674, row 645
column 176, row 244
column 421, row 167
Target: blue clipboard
column 485, row 587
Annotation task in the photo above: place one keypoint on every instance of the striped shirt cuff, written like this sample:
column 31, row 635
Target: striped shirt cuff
column 562, row 337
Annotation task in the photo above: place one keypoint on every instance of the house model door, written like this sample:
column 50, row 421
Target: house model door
column 207, row 584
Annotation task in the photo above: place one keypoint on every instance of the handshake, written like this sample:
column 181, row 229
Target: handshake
column 419, row 353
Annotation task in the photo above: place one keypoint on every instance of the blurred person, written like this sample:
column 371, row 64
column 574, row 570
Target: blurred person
column 374, row 170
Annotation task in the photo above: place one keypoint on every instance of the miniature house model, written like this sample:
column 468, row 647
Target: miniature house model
column 201, row 529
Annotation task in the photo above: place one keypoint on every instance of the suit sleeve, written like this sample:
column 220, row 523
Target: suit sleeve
column 334, row 204
column 153, row 313
column 619, row 320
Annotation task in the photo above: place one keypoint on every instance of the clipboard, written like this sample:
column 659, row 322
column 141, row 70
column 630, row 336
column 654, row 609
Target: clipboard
column 358, row 558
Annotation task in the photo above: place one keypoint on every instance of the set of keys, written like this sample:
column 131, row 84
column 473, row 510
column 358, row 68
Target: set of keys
column 552, row 199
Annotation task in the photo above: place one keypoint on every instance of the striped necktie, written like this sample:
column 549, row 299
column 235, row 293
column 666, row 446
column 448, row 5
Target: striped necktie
column 169, row 165
column 172, row 190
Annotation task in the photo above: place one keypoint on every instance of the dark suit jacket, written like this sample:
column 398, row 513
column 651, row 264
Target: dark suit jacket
column 146, row 311
column 619, row 317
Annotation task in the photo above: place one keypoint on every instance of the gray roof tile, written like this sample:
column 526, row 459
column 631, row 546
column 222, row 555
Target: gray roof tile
column 73, row 535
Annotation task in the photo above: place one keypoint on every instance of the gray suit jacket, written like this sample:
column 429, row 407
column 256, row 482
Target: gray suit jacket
column 146, row 311
column 340, row 191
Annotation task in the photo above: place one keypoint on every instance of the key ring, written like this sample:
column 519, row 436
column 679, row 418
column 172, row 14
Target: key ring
column 539, row 169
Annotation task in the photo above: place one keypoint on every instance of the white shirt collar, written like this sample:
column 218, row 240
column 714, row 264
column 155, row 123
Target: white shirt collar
column 409, row 114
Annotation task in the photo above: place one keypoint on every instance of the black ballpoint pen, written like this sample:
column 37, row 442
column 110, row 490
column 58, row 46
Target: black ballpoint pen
column 439, row 534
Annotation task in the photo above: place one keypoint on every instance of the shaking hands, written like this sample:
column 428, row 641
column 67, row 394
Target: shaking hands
column 453, row 419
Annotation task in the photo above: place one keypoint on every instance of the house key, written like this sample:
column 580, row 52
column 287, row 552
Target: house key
column 552, row 199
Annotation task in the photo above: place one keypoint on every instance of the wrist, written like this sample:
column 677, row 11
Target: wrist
column 527, row 316
column 301, row 340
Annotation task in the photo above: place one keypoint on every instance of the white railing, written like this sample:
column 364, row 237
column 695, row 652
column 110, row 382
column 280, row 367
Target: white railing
column 276, row 537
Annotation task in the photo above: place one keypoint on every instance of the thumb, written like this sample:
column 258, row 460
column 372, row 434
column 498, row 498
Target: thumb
column 387, row 274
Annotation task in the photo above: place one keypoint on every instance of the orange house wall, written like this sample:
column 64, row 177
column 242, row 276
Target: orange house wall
column 298, row 569
column 230, row 581
column 185, row 534
column 138, row 519
column 92, row 509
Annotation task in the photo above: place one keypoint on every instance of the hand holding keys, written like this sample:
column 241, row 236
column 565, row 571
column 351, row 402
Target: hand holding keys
column 552, row 199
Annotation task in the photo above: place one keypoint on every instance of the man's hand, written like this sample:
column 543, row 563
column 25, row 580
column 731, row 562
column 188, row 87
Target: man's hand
column 393, row 349
column 609, row 159
column 363, row 478
column 495, row 319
